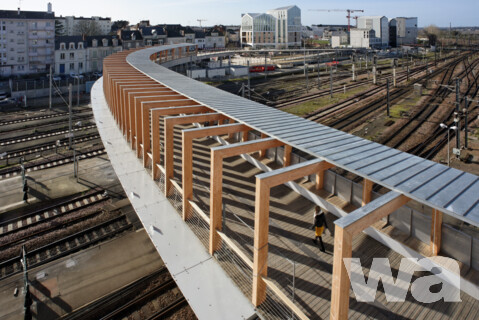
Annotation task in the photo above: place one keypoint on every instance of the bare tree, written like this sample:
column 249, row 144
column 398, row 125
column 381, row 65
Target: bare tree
column 432, row 32
column 88, row 28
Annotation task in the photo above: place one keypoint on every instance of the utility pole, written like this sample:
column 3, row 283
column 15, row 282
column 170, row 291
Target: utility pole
column 307, row 74
column 70, row 134
column 265, row 66
column 354, row 72
column 78, row 91
column 465, row 122
column 331, row 80
column 319, row 80
column 27, row 313
column 50, row 91
column 249, row 83
column 24, row 181
column 458, row 135
column 387, row 87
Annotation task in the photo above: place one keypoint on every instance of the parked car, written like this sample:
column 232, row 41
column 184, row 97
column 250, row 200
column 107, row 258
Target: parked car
column 55, row 77
column 97, row 74
column 3, row 95
column 76, row 75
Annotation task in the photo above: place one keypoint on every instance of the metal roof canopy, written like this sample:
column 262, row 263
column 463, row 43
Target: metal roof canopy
column 449, row 190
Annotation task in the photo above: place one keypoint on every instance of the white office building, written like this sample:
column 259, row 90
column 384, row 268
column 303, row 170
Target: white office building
column 402, row 31
column 364, row 38
column 278, row 28
column 288, row 26
column 379, row 24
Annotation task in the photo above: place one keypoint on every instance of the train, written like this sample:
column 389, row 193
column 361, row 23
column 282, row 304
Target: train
column 261, row 68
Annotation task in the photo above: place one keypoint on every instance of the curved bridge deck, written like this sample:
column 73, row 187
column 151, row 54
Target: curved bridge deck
column 257, row 224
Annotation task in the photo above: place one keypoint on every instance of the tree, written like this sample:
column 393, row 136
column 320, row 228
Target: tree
column 59, row 28
column 432, row 33
column 118, row 25
column 88, row 28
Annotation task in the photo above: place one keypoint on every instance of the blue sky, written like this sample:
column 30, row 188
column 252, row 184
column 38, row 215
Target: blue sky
column 186, row 12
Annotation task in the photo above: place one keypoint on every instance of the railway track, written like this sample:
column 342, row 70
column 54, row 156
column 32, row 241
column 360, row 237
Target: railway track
column 295, row 100
column 335, row 117
column 425, row 112
column 46, row 134
column 49, row 146
column 66, row 245
column 48, row 116
column 138, row 300
column 38, row 216
column 56, row 161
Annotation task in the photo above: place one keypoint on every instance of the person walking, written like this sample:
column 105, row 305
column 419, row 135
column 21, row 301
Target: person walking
column 319, row 224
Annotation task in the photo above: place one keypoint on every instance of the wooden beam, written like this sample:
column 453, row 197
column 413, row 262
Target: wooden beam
column 135, row 101
column 170, row 122
column 260, row 248
column 216, row 182
column 436, row 232
column 365, row 216
column 230, row 136
column 287, row 155
column 136, row 114
column 264, row 183
column 340, row 282
column 155, row 127
column 187, row 156
column 245, row 136
column 367, row 190
column 262, row 153
column 320, row 175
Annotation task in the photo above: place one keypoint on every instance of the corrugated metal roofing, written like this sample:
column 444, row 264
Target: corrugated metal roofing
column 447, row 189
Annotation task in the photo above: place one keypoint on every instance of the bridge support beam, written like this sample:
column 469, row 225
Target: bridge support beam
column 170, row 122
column 155, row 127
column 216, row 184
column 134, row 109
column 346, row 228
column 436, row 232
column 264, row 183
column 367, row 191
column 187, row 155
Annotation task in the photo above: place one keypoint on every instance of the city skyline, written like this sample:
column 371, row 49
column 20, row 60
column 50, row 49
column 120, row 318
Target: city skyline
column 228, row 12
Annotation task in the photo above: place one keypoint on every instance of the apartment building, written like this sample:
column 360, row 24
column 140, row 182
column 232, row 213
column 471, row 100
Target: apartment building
column 75, row 26
column 278, row 28
column 27, row 41
column 81, row 54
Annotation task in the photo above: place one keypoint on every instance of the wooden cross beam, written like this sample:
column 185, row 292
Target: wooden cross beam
column 136, row 101
column 187, row 155
column 170, row 122
column 216, row 184
column 436, row 232
column 120, row 101
column 346, row 228
column 367, row 191
column 264, row 183
column 155, row 126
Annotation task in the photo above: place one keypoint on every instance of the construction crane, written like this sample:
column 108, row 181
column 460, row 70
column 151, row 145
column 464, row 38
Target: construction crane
column 349, row 11
column 200, row 20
